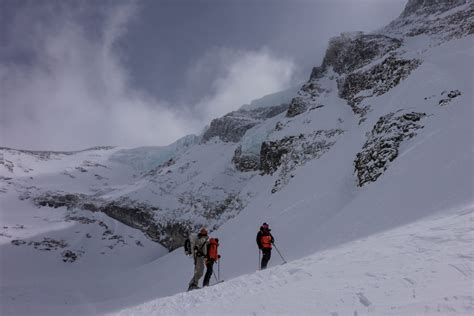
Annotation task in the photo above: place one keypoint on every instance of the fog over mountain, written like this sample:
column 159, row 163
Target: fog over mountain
column 147, row 72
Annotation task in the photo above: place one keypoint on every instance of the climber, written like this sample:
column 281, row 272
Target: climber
column 264, row 242
column 199, row 246
column 212, row 256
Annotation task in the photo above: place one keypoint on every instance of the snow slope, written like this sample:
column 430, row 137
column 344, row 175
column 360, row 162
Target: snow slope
column 404, row 271
column 366, row 181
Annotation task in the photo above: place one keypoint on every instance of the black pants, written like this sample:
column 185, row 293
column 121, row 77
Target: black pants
column 267, row 253
column 207, row 276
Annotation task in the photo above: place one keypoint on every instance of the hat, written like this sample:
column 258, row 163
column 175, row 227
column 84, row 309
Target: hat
column 265, row 226
column 203, row 232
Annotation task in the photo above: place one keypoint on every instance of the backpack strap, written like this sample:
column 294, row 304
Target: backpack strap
column 199, row 251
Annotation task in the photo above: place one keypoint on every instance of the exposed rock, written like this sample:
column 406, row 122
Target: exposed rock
column 297, row 106
column 292, row 152
column 169, row 230
column 307, row 96
column 133, row 214
column 350, row 51
column 271, row 153
column 57, row 200
column 171, row 234
column 90, row 207
column 428, row 7
column 7, row 163
column 80, row 219
column 375, row 81
column 18, row 242
column 451, row 27
column 69, row 256
column 232, row 202
column 228, row 128
column 425, row 17
column 245, row 162
column 213, row 212
column 449, row 97
column 345, row 53
column 6, row 235
column 279, row 126
column 382, row 144
column 81, row 169
column 231, row 127
column 46, row 244
column 90, row 164
column 317, row 73
column 158, row 170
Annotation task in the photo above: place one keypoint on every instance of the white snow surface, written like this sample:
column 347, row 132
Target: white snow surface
column 404, row 271
column 401, row 245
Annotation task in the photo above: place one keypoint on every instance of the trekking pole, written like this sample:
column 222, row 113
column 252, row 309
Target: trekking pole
column 258, row 265
column 276, row 248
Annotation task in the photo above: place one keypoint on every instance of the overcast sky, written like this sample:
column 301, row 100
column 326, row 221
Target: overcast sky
column 76, row 74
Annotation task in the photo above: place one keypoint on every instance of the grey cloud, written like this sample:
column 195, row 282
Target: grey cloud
column 75, row 74
column 76, row 93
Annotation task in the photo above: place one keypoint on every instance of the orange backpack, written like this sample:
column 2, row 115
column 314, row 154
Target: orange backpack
column 266, row 242
column 212, row 251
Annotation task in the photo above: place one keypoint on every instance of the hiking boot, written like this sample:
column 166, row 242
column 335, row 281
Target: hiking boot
column 193, row 287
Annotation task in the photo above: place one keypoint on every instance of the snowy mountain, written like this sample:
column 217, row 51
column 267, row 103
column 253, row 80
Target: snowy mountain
column 365, row 174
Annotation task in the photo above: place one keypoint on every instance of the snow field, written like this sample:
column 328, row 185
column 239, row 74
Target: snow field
column 422, row 268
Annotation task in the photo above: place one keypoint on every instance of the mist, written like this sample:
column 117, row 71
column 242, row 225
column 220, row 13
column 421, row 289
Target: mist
column 67, row 82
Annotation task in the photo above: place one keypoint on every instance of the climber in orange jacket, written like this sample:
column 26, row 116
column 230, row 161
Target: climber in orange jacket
column 264, row 242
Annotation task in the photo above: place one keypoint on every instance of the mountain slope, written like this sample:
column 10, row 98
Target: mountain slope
column 380, row 136
column 404, row 271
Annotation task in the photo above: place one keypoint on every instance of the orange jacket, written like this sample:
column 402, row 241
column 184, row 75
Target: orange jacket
column 266, row 242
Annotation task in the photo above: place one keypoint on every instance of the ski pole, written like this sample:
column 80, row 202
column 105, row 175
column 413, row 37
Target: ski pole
column 276, row 248
column 214, row 274
column 219, row 269
column 258, row 265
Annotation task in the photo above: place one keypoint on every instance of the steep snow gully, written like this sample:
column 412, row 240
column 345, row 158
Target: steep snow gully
column 364, row 173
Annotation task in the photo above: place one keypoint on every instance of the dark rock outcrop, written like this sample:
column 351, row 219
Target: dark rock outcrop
column 231, row 127
column 245, row 162
column 350, row 51
column 56, row 200
column 271, row 153
column 425, row 17
column 47, row 244
column 168, row 228
column 307, row 95
column 379, row 79
column 427, row 7
column 449, row 97
column 382, row 144
column 290, row 152
column 69, row 256
column 297, row 106
column 345, row 53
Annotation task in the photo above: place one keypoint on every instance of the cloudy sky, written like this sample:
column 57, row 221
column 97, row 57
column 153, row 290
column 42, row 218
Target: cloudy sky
column 76, row 74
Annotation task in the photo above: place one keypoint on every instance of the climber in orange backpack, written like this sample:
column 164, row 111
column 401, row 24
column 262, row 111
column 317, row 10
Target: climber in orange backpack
column 212, row 256
column 264, row 242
